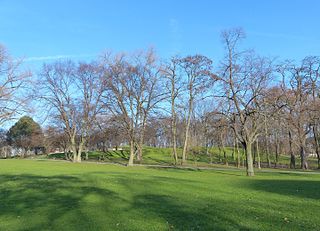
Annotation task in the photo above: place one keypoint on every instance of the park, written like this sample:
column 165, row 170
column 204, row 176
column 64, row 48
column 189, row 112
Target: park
column 159, row 115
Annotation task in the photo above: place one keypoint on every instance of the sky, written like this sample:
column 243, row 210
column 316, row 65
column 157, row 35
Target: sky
column 43, row 31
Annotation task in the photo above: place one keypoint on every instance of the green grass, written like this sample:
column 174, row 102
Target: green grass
column 51, row 195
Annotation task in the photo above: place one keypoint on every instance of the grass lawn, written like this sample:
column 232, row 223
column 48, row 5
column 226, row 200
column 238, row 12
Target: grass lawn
column 51, row 195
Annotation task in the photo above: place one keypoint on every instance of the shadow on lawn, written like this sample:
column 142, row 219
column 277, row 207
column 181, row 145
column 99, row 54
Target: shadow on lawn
column 58, row 203
column 42, row 201
column 185, row 216
column 58, row 199
column 297, row 188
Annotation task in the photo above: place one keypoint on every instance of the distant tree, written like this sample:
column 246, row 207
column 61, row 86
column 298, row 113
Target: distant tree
column 26, row 134
column 3, row 143
column 172, row 73
column 311, row 66
column 3, row 137
column 57, row 140
column 72, row 93
column 108, row 133
column 301, row 103
column 198, row 72
column 133, row 92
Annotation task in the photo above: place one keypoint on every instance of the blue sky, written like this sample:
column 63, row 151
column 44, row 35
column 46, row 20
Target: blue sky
column 47, row 30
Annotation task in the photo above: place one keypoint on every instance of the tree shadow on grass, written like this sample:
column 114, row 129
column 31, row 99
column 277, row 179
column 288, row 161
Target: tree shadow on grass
column 35, row 202
column 298, row 188
column 180, row 215
column 76, row 202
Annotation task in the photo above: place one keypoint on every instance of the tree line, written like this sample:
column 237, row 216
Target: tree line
column 245, row 101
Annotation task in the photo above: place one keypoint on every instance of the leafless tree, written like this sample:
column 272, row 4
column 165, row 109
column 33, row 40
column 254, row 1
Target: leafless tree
column 174, row 85
column 89, row 83
column 244, row 76
column 311, row 66
column 73, row 93
column 198, row 72
column 297, row 91
column 133, row 92
column 13, row 86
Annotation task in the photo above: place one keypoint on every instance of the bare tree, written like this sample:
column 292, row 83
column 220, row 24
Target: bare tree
column 172, row 73
column 13, row 86
column 198, row 72
column 132, row 94
column 57, row 91
column 150, row 91
column 89, row 84
column 311, row 65
column 73, row 93
column 297, row 92
column 244, row 76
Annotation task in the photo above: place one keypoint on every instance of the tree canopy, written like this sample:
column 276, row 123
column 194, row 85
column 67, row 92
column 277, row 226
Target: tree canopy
column 25, row 133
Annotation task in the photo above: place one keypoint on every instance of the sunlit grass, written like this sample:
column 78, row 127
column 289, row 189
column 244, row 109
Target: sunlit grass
column 46, row 195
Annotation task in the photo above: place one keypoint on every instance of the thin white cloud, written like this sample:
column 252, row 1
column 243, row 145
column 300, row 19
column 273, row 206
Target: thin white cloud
column 55, row 57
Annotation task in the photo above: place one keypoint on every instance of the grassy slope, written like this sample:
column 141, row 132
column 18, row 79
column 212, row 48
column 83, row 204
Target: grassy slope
column 46, row 195
column 163, row 156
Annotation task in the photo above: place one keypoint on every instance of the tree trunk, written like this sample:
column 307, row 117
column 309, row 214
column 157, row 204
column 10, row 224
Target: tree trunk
column 258, row 154
column 238, row 154
column 104, row 147
column 219, row 155
column 24, row 153
column 225, row 157
column 207, row 148
column 292, row 161
column 79, row 152
column 74, row 153
column 318, row 157
column 174, row 123
column 174, row 142
column 65, row 154
column 267, row 144
column 79, row 156
column 186, row 141
column 303, row 156
column 131, row 157
column 292, row 156
column 141, row 139
column 277, row 153
column 254, row 156
column 234, row 150
column 185, row 146
column 74, row 150
column 139, row 152
column 69, row 156
column 316, row 144
column 248, row 149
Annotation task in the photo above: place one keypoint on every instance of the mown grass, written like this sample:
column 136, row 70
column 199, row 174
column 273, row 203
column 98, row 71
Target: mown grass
column 50, row 195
